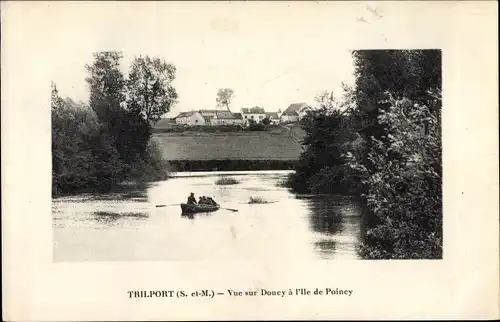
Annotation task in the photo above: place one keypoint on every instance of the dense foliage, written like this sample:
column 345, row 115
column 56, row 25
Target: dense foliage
column 321, row 167
column 108, row 141
column 403, row 186
column 382, row 141
column 150, row 89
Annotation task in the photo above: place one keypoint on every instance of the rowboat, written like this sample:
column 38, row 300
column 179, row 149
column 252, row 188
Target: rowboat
column 191, row 209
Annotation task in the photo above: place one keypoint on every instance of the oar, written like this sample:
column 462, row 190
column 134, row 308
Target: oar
column 176, row 204
column 234, row 210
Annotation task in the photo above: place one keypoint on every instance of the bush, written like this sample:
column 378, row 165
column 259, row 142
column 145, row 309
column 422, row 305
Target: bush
column 331, row 179
column 81, row 157
column 266, row 121
column 404, row 189
column 321, row 167
column 226, row 181
column 257, row 200
column 254, row 126
column 150, row 168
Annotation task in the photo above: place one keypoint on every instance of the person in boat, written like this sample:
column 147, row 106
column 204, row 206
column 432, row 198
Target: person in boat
column 191, row 199
column 202, row 201
column 211, row 202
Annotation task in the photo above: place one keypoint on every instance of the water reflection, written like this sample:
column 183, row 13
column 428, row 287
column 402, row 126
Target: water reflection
column 134, row 193
column 335, row 219
column 325, row 216
column 325, row 248
column 196, row 215
column 111, row 217
column 188, row 216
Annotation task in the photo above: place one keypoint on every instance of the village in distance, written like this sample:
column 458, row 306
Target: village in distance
column 226, row 133
column 245, row 117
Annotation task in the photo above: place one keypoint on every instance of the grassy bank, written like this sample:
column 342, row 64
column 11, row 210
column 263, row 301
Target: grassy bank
column 230, row 165
column 214, row 129
column 279, row 144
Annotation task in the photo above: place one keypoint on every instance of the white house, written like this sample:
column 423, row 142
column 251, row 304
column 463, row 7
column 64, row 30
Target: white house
column 294, row 112
column 225, row 118
column 255, row 113
column 273, row 117
column 208, row 115
column 190, row 118
column 238, row 118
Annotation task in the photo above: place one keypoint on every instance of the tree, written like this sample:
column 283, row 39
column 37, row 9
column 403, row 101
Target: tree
column 321, row 167
column 107, row 85
column 103, row 143
column 266, row 121
column 224, row 97
column 325, row 99
column 127, row 130
column 403, row 73
column 401, row 164
column 404, row 190
column 76, row 140
column 55, row 99
column 150, row 90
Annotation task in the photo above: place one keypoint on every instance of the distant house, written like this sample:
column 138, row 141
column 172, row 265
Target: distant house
column 238, row 117
column 295, row 112
column 224, row 118
column 190, row 118
column 273, row 117
column 208, row 115
column 255, row 113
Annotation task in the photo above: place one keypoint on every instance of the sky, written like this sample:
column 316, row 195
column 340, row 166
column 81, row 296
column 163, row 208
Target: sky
column 270, row 54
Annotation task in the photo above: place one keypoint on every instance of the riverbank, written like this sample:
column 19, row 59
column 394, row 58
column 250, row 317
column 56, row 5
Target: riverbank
column 112, row 186
column 279, row 144
column 176, row 128
column 92, row 179
column 230, row 165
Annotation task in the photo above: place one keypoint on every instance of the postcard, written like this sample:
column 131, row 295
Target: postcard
column 249, row 160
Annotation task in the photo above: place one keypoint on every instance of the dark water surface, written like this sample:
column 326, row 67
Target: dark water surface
column 127, row 225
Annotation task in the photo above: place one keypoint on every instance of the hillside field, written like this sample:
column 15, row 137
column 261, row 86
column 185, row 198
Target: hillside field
column 279, row 144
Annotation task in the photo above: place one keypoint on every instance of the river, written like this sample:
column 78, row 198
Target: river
column 127, row 225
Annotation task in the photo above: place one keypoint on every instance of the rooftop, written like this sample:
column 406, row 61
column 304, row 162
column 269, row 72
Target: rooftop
column 186, row 114
column 272, row 115
column 294, row 108
column 224, row 115
column 207, row 111
column 253, row 110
